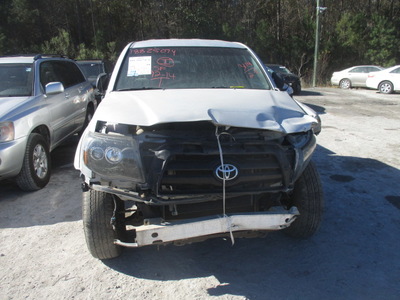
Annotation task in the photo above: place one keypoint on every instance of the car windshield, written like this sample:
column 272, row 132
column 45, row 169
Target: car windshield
column 16, row 80
column 190, row 67
column 280, row 69
column 91, row 69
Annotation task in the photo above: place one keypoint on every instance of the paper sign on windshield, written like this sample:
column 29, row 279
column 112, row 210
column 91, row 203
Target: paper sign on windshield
column 139, row 66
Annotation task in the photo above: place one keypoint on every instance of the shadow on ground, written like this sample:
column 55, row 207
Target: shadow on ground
column 310, row 93
column 319, row 109
column 354, row 253
column 59, row 201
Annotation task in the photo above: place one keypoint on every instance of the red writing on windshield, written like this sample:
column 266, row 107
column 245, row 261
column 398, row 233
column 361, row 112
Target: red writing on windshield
column 248, row 68
column 166, row 62
column 161, row 71
column 153, row 50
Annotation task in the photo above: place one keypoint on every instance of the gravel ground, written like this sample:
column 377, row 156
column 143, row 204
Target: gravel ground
column 355, row 255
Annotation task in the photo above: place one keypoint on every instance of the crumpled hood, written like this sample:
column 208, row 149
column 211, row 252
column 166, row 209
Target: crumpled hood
column 7, row 104
column 261, row 109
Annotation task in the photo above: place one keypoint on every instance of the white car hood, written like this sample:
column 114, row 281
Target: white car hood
column 7, row 104
column 261, row 109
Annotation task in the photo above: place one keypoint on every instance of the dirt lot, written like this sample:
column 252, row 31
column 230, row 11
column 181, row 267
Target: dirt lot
column 355, row 255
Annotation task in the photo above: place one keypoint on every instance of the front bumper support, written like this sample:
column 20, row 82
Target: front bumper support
column 157, row 232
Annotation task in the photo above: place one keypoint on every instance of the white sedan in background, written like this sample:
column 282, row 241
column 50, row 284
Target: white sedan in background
column 353, row 76
column 386, row 81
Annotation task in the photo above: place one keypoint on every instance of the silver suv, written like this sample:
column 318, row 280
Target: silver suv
column 43, row 101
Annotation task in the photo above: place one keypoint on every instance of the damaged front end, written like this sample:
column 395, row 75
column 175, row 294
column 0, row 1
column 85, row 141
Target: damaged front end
column 179, row 163
column 194, row 140
column 178, row 172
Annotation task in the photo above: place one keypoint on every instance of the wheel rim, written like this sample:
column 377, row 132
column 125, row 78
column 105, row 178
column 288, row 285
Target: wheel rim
column 385, row 88
column 345, row 84
column 40, row 164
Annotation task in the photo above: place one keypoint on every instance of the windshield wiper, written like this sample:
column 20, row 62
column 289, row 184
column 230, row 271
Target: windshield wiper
column 229, row 87
column 139, row 89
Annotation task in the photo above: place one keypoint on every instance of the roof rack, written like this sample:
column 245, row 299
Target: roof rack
column 16, row 55
column 36, row 56
column 39, row 56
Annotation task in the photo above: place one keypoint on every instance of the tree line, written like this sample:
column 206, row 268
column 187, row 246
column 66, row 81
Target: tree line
column 352, row 32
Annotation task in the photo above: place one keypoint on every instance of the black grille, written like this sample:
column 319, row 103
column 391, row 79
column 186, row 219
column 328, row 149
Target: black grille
column 190, row 158
column 195, row 174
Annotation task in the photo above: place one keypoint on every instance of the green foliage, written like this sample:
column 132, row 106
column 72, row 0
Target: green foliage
column 22, row 11
column 280, row 31
column 86, row 53
column 266, row 40
column 351, row 32
column 60, row 44
column 112, row 55
column 369, row 39
column 2, row 43
column 383, row 42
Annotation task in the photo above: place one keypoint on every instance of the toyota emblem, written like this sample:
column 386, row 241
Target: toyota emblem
column 226, row 171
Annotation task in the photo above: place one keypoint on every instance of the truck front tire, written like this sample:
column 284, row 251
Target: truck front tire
column 102, row 223
column 307, row 196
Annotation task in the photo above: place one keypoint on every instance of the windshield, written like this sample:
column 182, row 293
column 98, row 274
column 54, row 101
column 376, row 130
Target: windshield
column 190, row 67
column 280, row 69
column 16, row 80
column 91, row 69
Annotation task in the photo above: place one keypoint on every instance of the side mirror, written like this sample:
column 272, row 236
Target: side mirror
column 102, row 82
column 53, row 88
column 288, row 89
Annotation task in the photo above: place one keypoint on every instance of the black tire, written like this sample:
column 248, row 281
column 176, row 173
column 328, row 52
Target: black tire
column 36, row 167
column 297, row 89
column 98, row 209
column 345, row 83
column 88, row 118
column 385, row 87
column 307, row 196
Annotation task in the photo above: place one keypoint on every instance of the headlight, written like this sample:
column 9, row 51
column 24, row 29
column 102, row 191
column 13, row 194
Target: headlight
column 7, row 131
column 316, row 127
column 113, row 157
column 299, row 140
column 96, row 153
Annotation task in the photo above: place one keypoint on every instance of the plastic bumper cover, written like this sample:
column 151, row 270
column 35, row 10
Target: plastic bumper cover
column 11, row 157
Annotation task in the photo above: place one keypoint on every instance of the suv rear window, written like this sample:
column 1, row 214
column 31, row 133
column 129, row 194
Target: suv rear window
column 190, row 67
column 16, row 80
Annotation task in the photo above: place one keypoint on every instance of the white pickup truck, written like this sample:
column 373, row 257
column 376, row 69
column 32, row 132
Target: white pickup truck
column 194, row 140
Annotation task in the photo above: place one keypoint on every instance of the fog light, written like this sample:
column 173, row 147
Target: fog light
column 113, row 155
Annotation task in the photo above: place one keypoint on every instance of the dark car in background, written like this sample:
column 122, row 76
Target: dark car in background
column 92, row 68
column 287, row 76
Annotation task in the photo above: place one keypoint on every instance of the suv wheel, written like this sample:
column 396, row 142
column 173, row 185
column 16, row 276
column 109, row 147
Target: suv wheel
column 88, row 117
column 102, row 223
column 36, row 167
column 308, row 198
